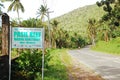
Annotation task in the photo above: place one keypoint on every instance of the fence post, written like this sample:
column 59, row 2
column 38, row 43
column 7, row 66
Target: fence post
column 5, row 34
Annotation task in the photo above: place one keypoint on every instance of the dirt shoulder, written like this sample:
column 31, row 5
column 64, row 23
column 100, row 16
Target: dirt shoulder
column 78, row 71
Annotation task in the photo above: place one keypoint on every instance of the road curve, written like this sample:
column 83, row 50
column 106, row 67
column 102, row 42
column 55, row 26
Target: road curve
column 108, row 66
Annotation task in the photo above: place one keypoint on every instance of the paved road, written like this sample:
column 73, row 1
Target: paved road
column 108, row 66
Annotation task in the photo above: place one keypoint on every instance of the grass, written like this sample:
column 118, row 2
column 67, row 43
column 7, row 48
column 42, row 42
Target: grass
column 112, row 47
column 56, row 68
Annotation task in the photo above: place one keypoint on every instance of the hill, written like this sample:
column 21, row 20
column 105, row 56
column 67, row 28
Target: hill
column 76, row 20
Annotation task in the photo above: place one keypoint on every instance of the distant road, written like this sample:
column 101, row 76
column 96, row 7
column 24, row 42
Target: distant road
column 108, row 66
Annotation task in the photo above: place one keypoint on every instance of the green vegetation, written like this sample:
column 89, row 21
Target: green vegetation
column 109, row 27
column 112, row 9
column 79, row 27
column 16, row 5
column 77, row 20
column 57, row 69
column 28, row 65
column 97, row 24
column 112, row 46
column 60, row 38
column 92, row 30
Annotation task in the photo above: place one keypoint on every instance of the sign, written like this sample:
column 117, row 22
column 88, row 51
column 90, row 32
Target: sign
column 27, row 37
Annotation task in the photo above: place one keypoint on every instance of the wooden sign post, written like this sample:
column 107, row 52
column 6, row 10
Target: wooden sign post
column 5, row 47
column 5, row 34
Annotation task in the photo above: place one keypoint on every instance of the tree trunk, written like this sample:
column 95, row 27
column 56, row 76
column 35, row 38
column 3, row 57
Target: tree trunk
column 93, row 40
column 18, row 17
column 106, row 36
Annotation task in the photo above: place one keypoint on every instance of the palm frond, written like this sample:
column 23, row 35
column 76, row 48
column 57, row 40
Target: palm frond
column 10, row 7
column 5, row 0
column 1, row 5
column 22, row 8
column 42, row 11
column 16, row 5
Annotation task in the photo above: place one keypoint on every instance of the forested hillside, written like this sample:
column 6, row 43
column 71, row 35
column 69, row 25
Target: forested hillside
column 77, row 20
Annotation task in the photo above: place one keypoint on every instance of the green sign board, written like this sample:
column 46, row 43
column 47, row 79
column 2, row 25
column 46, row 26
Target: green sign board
column 27, row 37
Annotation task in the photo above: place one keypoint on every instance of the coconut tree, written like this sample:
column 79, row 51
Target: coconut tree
column 42, row 12
column 104, row 30
column 54, row 31
column 91, row 29
column 16, row 5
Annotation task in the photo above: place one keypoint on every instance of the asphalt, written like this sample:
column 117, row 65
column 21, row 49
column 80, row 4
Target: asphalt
column 106, row 65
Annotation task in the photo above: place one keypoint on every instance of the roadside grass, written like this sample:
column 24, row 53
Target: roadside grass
column 112, row 47
column 56, row 69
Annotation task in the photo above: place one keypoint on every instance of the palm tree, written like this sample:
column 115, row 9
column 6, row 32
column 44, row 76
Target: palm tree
column 104, row 29
column 55, row 23
column 16, row 5
column 54, row 32
column 91, row 29
column 42, row 11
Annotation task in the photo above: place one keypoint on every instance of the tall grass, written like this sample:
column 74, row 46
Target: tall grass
column 56, row 68
column 113, row 46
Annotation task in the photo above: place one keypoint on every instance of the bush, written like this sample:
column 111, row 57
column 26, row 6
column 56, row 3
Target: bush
column 29, row 64
column 116, row 33
column 77, row 42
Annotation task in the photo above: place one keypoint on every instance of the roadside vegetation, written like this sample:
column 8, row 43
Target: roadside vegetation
column 28, row 65
column 112, row 46
column 108, row 29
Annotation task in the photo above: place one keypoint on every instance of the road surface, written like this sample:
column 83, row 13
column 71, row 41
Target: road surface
column 108, row 66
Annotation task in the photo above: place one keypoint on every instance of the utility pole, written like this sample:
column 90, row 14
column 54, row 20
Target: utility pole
column 49, row 28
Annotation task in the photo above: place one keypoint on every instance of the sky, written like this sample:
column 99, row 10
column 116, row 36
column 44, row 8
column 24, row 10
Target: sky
column 59, row 7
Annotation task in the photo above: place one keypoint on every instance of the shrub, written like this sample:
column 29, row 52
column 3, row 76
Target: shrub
column 28, row 64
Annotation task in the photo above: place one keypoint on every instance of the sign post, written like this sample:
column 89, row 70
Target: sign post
column 43, row 57
column 10, row 54
column 29, row 38
column 5, row 27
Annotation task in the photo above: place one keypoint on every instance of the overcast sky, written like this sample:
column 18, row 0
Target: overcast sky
column 59, row 7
